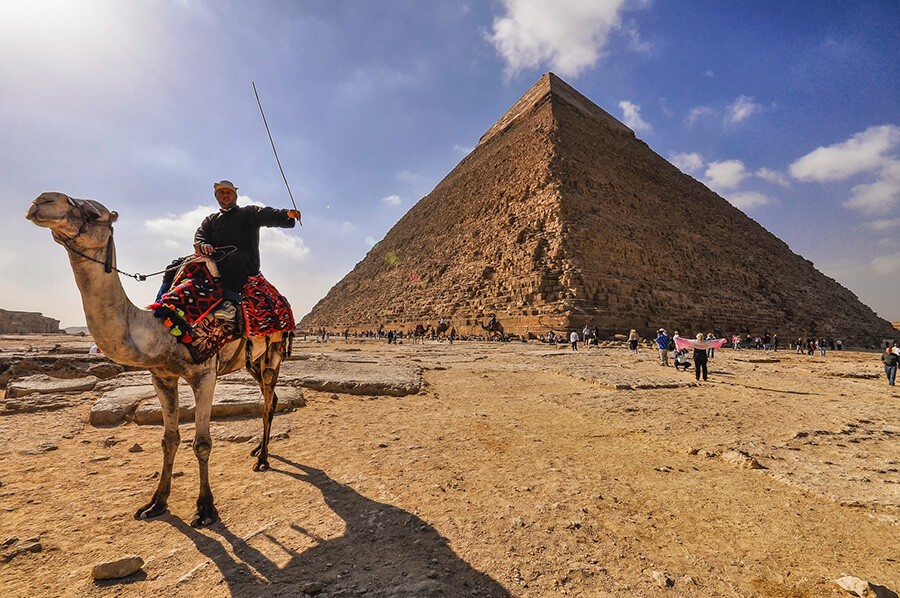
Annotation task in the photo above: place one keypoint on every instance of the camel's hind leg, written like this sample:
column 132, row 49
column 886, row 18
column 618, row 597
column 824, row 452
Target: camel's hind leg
column 204, row 385
column 265, row 371
column 167, row 392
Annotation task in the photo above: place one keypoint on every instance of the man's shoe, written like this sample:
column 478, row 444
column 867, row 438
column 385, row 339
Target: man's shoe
column 226, row 311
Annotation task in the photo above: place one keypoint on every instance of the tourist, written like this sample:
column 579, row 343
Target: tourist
column 774, row 342
column 800, row 344
column 633, row 341
column 712, row 350
column 573, row 338
column 662, row 341
column 890, row 360
column 237, row 226
column 839, row 344
column 700, row 357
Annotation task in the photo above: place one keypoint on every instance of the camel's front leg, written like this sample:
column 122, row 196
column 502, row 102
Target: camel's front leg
column 167, row 392
column 204, row 387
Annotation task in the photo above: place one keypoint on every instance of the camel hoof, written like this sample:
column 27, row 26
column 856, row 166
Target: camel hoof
column 204, row 517
column 153, row 509
column 261, row 466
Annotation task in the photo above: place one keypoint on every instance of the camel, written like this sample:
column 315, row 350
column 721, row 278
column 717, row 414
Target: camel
column 132, row 336
column 441, row 329
column 419, row 333
column 494, row 328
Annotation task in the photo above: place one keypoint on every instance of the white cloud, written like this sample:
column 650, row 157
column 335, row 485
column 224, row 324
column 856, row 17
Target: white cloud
column 773, row 176
column 277, row 243
column 391, row 200
column 635, row 42
column 179, row 228
column 569, row 35
column 747, row 200
column 347, row 227
column 685, row 162
column 863, row 152
column 880, row 196
column 887, row 264
column 709, row 74
column 886, row 224
column 742, row 109
column 725, row 175
column 697, row 113
column 632, row 117
column 463, row 150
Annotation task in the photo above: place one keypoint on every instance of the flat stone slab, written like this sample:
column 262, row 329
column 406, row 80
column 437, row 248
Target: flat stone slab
column 44, row 384
column 230, row 400
column 358, row 377
column 119, row 404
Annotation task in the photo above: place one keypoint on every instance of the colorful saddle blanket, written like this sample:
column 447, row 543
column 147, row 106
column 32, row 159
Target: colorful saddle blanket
column 188, row 305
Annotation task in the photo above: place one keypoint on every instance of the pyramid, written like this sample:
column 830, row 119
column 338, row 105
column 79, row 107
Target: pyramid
column 560, row 218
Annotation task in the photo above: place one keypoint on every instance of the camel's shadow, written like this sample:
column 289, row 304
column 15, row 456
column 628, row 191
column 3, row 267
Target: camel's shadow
column 384, row 551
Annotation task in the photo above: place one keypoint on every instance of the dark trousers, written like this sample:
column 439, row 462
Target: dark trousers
column 700, row 367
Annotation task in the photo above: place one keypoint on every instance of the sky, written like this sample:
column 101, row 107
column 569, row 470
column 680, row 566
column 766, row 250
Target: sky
column 789, row 110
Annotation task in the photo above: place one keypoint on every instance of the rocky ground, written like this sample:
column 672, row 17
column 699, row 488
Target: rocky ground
column 474, row 469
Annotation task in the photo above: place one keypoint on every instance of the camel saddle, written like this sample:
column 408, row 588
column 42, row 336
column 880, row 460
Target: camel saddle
column 187, row 309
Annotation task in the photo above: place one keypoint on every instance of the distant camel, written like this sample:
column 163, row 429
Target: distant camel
column 419, row 333
column 494, row 328
column 442, row 329
column 132, row 336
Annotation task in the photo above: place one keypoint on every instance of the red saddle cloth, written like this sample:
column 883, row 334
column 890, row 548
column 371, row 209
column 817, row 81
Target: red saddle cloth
column 265, row 309
column 188, row 305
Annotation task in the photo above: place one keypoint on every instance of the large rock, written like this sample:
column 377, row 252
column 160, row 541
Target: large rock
column 359, row 377
column 122, row 567
column 44, row 384
column 230, row 400
column 119, row 404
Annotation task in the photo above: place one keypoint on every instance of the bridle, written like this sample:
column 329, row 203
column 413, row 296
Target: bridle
column 86, row 219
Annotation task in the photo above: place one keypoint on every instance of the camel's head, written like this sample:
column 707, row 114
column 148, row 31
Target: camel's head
column 83, row 221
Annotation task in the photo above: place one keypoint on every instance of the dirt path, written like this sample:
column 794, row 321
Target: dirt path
column 518, row 470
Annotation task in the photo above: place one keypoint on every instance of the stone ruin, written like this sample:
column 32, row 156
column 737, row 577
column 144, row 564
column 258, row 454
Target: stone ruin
column 24, row 322
column 560, row 218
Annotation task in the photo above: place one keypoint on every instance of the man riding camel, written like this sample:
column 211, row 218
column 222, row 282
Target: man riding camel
column 237, row 226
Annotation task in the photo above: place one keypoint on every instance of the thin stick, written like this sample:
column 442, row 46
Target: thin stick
column 274, row 151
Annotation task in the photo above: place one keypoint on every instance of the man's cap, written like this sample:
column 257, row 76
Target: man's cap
column 661, row 330
column 223, row 184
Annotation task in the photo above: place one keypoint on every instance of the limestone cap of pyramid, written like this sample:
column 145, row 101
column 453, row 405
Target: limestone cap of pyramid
column 553, row 89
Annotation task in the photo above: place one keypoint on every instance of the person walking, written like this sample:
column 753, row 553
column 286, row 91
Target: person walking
column 573, row 338
column 662, row 341
column 891, row 360
column 633, row 341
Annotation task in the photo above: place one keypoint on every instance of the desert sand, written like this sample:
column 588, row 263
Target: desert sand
column 517, row 470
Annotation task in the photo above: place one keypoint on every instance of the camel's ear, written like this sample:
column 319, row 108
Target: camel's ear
column 97, row 211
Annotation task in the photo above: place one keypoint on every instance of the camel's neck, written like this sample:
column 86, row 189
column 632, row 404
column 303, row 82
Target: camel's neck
column 126, row 334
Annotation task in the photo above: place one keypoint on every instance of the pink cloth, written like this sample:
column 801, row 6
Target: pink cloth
column 684, row 343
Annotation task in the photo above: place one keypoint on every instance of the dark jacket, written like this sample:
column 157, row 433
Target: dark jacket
column 890, row 359
column 700, row 355
column 240, row 226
